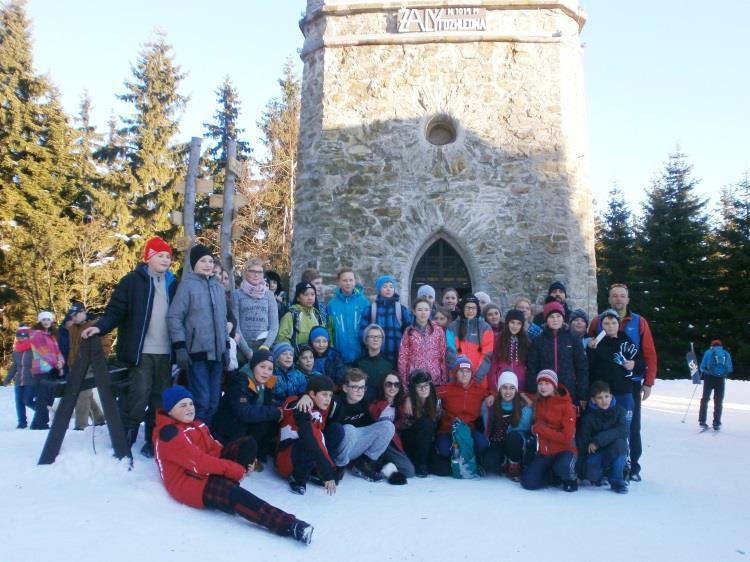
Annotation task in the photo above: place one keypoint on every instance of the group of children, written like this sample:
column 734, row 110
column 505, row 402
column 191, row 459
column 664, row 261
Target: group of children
column 386, row 391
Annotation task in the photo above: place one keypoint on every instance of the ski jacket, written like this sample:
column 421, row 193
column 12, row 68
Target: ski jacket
column 45, row 353
column 477, row 345
column 187, row 455
column 386, row 318
column 462, row 403
column 602, row 427
column 305, row 429
column 344, row 316
column 197, row 318
column 562, row 352
column 257, row 320
column 638, row 330
column 603, row 366
column 423, row 349
column 717, row 362
column 377, row 407
column 20, row 368
column 331, row 365
column 129, row 310
column 555, row 423
column 297, row 323
column 241, row 406
column 289, row 382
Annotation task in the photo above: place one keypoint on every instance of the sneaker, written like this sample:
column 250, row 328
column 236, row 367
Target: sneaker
column 422, row 471
column 363, row 468
column 301, row 531
column 297, row 487
column 148, row 450
column 570, row 486
column 619, row 487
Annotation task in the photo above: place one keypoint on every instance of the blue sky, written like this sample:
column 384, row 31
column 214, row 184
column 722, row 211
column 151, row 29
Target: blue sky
column 658, row 73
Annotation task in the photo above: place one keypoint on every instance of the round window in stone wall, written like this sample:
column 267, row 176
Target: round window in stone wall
column 441, row 130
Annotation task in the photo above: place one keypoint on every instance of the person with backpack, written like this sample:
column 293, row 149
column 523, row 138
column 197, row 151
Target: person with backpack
column 295, row 326
column 388, row 313
column 344, row 315
column 715, row 366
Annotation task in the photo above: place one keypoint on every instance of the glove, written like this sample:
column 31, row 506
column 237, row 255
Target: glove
column 628, row 350
column 618, row 358
column 183, row 359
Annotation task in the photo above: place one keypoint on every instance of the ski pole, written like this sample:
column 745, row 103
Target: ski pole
column 695, row 387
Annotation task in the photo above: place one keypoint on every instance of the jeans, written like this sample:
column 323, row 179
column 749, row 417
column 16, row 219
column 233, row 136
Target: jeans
column 538, row 474
column 612, row 457
column 24, row 396
column 400, row 459
column 204, row 381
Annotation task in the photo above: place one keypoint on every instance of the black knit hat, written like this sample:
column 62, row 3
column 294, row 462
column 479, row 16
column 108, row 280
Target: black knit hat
column 300, row 288
column 197, row 252
column 469, row 299
column 579, row 313
column 260, row 356
column 514, row 314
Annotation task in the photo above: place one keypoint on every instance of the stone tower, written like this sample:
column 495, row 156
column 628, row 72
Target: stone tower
column 445, row 142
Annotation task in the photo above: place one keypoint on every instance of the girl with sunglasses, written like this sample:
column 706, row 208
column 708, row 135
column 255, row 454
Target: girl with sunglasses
column 389, row 406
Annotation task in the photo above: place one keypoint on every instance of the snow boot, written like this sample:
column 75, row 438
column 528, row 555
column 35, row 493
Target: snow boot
column 619, row 486
column 422, row 471
column 703, row 426
column 297, row 487
column 513, row 471
column 570, row 486
column 363, row 468
column 301, row 531
column 392, row 475
column 148, row 450
column 717, row 426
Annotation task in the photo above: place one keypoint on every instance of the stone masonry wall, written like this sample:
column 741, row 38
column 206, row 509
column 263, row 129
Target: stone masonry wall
column 511, row 193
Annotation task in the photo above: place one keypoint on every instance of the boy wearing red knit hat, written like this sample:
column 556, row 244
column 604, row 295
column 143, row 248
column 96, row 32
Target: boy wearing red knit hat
column 138, row 309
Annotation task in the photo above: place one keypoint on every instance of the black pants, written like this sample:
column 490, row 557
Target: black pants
column 44, row 399
column 715, row 385
column 228, row 496
column 512, row 449
column 265, row 434
column 418, row 441
column 636, row 447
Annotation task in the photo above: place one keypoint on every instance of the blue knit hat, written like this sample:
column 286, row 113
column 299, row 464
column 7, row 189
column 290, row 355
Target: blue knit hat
column 318, row 331
column 462, row 362
column 280, row 348
column 382, row 280
column 174, row 394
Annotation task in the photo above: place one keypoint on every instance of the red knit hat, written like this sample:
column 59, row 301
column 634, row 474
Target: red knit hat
column 715, row 343
column 154, row 246
column 547, row 375
column 552, row 307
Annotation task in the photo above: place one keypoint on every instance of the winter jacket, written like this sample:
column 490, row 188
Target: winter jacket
column 377, row 407
column 307, row 429
column 462, row 403
column 717, row 362
column 515, row 364
column 187, row 455
column 331, row 365
column 387, row 319
column 20, row 368
column 255, row 317
column 562, row 352
column 500, row 424
column 376, row 368
column 129, row 310
column 477, row 345
column 46, row 353
column 423, row 349
column 197, row 318
column 602, row 366
column 554, row 423
column 241, row 406
column 344, row 316
column 639, row 332
column 601, row 427
column 307, row 317
column 289, row 382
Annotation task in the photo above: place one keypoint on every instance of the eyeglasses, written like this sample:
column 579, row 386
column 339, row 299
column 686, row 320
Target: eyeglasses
column 255, row 271
column 357, row 388
column 423, row 386
column 392, row 384
column 374, row 337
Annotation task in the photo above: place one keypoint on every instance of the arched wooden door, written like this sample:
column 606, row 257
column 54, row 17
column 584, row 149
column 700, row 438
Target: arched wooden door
column 442, row 267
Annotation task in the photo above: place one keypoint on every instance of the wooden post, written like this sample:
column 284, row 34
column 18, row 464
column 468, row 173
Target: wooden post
column 228, row 215
column 189, row 209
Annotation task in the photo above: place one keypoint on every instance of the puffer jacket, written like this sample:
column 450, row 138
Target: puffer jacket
column 241, row 405
column 197, row 318
column 344, row 315
column 423, row 349
column 602, row 427
column 477, row 345
column 462, row 403
column 555, row 423
column 289, row 382
column 308, row 317
column 187, row 455
column 562, row 352
column 386, row 318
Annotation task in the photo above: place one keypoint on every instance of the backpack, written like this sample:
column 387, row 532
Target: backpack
column 374, row 313
column 295, row 326
column 718, row 364
column 463, row 460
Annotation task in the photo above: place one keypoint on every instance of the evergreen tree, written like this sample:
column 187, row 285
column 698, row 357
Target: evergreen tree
column 675, row 288
column 267, row 222
column 152, row 161
column 220, row 132
column 615, row 248
column 87, row 177
column 733, row 264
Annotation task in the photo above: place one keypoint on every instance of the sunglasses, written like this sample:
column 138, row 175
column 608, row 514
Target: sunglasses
column 392, row 384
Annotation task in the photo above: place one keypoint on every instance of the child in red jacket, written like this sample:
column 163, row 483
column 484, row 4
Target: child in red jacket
column 554, row 428
column 199, row 472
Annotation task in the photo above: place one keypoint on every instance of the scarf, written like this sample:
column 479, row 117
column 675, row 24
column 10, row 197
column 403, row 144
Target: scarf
column 253, row 291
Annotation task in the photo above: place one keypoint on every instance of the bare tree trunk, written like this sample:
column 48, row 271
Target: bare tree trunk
column 228, row 212
column 188, row 217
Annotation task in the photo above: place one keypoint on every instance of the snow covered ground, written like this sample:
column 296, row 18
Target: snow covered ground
column 692, row 505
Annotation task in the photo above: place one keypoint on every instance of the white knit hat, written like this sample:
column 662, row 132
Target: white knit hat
column 45, row 315
column 507, row 377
